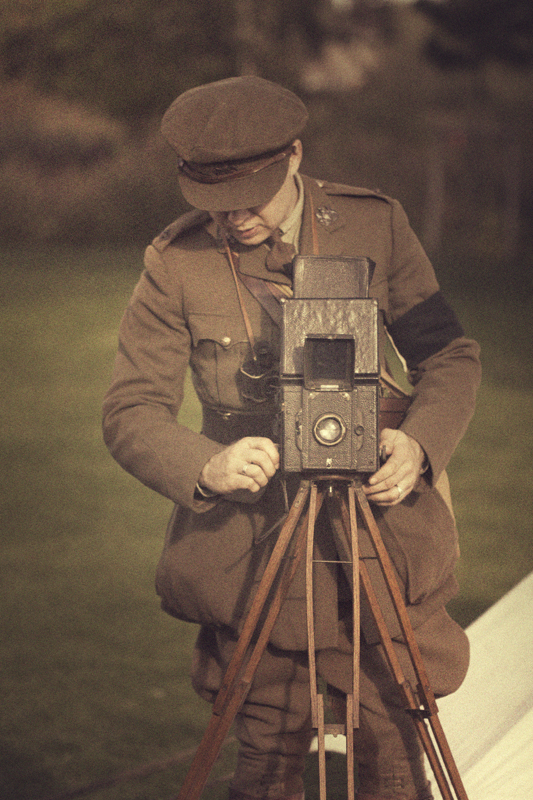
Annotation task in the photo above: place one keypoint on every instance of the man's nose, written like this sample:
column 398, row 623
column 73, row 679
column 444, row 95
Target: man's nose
column 238, row 217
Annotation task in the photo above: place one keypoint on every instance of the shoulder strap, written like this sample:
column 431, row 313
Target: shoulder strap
column 187, row 221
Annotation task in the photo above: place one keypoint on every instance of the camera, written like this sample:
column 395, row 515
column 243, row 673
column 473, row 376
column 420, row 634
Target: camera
column 329, row 368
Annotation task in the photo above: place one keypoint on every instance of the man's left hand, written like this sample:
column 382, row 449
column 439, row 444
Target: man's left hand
column 397, row 477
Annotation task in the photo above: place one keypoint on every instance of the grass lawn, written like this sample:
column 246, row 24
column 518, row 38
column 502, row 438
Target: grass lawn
column 94, row 677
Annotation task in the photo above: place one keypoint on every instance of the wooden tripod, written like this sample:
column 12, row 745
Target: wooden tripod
column 296, row 540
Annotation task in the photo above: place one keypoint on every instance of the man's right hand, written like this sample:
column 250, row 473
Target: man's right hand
column 246, row 464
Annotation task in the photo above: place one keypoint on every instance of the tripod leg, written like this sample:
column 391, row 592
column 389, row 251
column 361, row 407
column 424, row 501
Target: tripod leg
column 310, row 609
column 356, row 658
column 347, row 542
column 424, row 689
column 348, row 547
column 317, row 700
column 411, row 704
column 321, row 736
column 350, row 762
column 236, row 682
column 262, row 593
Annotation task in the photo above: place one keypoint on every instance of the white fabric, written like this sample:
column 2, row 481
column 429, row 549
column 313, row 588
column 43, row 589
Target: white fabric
column 488, row 722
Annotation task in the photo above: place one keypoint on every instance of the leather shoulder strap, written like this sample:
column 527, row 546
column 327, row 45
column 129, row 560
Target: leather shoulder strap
column 266, row 293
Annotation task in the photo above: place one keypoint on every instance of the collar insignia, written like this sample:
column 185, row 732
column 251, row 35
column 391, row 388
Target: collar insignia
column 326, row 216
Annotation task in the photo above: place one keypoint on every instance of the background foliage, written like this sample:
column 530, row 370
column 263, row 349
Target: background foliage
column 429, row 102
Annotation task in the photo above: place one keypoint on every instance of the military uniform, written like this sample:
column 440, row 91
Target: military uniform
column 185, row 312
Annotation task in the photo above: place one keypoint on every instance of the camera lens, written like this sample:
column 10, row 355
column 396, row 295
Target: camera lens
column 329, row 429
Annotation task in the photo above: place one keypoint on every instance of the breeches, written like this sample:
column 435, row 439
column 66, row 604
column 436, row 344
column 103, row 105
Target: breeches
column 274, row 725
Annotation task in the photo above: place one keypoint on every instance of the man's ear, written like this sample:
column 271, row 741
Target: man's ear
column 295, row 156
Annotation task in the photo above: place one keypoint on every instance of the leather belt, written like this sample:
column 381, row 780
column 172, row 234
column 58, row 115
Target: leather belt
column 225, row 426
column 392, row 411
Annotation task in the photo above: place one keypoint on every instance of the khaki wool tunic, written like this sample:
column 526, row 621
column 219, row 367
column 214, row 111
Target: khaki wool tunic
column 185, row 312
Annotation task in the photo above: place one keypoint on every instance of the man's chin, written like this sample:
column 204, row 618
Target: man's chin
column 254, row 236
column 250, row 236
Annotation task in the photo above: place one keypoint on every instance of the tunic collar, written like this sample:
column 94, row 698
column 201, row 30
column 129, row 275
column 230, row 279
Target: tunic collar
column 314, row 201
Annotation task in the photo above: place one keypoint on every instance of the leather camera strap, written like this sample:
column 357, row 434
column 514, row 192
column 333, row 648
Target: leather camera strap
column 267, row 293
column 232, row 257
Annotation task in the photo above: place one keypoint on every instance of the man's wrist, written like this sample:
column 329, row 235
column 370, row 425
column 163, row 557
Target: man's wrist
column 424, row 460
column 206, row 494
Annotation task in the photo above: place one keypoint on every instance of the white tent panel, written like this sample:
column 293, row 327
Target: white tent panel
column 506, row 771
column 488, row 722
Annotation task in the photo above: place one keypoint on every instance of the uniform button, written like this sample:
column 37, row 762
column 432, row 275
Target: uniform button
column 226, row 340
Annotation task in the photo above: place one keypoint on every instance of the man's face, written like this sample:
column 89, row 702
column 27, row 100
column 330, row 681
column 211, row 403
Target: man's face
column 252, row 226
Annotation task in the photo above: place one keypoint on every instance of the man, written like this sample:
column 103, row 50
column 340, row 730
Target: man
column 201, row 303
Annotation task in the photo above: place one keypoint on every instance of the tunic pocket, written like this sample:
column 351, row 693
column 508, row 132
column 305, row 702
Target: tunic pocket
column 219, row 348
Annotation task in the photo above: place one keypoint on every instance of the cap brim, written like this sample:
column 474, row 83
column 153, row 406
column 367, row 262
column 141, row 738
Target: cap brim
column 246, row 192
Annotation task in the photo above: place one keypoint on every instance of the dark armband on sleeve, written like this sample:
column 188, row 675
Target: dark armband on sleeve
column 425, row 329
